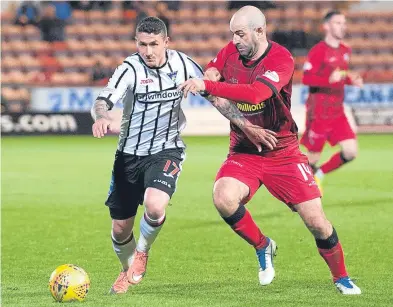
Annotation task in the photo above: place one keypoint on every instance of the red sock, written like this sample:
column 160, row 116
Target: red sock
column 243, row 224
column 334, row 258
column 335, row 162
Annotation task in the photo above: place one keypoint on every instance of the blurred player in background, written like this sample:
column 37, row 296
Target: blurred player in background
column 150, row 151
column 326, row 72
column 258, row 84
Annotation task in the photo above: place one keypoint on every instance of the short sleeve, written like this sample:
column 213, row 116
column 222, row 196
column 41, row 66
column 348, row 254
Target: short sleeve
column 122, row 79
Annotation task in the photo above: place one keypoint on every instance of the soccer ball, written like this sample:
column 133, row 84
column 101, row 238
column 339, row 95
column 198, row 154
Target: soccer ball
column 69, row 283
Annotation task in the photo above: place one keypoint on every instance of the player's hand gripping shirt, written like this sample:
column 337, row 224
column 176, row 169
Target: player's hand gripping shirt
column 325, row 100
column 152, row 115
column 274, row 69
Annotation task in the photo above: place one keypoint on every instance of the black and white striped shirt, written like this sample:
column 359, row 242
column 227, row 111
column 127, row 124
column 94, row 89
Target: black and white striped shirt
column 152, row 115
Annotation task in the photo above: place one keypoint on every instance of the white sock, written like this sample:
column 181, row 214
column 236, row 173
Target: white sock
column 319, row 174
column 149, row 230
column 125, row 250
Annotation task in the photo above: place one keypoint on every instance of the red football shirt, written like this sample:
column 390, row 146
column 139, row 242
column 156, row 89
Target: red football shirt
column 325, row 100
column 275, row 69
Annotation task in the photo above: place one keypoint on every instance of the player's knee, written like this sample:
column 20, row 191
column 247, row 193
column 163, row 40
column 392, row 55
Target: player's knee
column 121, row 229
column 320, row 227
column 224, row 201
column 155, row 202
column 349, row 154
column 155, row 208
column 313, row 157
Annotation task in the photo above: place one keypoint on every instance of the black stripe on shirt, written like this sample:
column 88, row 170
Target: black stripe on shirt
column 184, row 65
column 169, row 125
column 143, row 114
column 268, row 84
column 158, row 113
column 133, row 68
column 185, row 79
column 107, row 100
column 121, row 76
column 178, row 121
column 133, row 107
column 196, row 64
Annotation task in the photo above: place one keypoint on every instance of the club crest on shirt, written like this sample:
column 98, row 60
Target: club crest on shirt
column 346, row 57
column 272, row 75
column 172, row 75
column 233, row 80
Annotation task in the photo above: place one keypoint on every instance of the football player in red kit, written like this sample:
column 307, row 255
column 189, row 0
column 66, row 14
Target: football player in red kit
column 326, row 72
column 257, row 86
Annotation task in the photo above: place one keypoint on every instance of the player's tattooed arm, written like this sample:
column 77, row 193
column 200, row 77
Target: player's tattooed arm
column 229, row 111
column 100, row 110
column 256, row 134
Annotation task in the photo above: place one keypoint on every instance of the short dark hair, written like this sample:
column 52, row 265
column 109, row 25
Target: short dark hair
column 330, row 14
column 152, row 25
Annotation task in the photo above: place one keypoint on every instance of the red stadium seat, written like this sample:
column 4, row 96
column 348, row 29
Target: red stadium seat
column 96, row 16
column 31, row 33
column 79, row 17
column 114, row 16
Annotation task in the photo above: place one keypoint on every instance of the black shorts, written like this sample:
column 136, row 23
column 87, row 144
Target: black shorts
column 132, row 175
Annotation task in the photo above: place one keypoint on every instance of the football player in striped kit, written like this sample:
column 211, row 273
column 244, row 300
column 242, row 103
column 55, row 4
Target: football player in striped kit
column 150, row 151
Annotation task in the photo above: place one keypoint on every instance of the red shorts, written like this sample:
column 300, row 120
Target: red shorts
column 333, row 131
column 289, row 178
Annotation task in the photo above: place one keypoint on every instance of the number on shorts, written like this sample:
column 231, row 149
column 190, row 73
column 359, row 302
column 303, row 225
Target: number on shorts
column 304, row 170
column 175, row 170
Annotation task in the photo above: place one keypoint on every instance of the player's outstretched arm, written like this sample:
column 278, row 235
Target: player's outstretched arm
column 256, row 134
column 100, row 114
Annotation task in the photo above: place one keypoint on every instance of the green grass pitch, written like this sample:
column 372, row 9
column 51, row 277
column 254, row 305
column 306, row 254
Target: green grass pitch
column 53, row 190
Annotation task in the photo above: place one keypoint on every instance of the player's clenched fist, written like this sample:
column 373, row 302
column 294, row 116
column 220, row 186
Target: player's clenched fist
column 100, row 127
column 212, row 74
column 192, row 85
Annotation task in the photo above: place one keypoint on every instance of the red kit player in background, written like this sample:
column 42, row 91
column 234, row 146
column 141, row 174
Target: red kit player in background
column 257, row 85
column 326, row 72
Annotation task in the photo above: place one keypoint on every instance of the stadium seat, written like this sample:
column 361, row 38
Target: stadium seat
column 79, row 17
column 18, row 77
column 95, row 16
column 29, row 62
column 85, row 63
column 59, row 78
column 203, row 16
column 6, row 49
column 123, row 33
column 67, row 63
column 9, row 93
column 10, row 63
column 72, row 32
column 20, row 47
column 11, row 32
column 77, row 47
column 114, row 16
column 5, row 77
column 31, row 33
column 7, row 18
column 39, row 47
column 78, row 78
column 128, row 47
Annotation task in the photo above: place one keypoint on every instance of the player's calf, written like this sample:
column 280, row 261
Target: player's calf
column 328, row 244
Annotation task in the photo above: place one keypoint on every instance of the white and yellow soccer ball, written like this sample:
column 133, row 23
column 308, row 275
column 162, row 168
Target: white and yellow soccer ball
column 69, row 283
